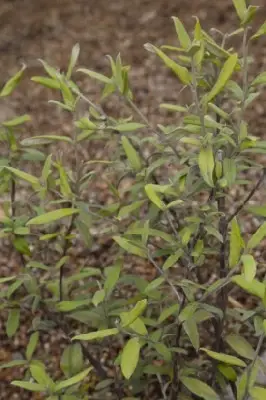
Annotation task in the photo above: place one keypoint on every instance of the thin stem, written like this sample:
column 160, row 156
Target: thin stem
column 194, row 89
column 146, row 121
column 249, row 196
column 65, row 249
column 175, row 387
column 170, row 283
column 249, row 371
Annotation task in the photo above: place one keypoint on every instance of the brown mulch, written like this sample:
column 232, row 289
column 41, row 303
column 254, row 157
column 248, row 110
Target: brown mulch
column 48, row 29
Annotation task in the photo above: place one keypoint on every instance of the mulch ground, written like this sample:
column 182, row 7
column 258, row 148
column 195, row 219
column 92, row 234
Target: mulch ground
column 48, row 29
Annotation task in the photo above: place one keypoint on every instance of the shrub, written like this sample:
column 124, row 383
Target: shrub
column 177, row 333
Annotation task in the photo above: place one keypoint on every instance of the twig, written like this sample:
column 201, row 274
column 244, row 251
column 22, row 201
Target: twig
column 249, row 371
column 175, row 387
column 249, row 196
column 65, row 249
column 170, row 283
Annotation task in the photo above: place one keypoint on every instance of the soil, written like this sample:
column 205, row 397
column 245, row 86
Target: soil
column 47, row 29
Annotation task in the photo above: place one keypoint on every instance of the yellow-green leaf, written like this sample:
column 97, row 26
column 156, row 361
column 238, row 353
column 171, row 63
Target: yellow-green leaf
column 52, row 216
column 153, row 196
column 241, row 346
column 95, row 75
column 255, row 287
column 258, row 236
column 130, row 357
column 96, row 335
column 249, row 267
column 130, row 247
column 33, row 387
column 199, row 388
column 131, row 153
column 24, row 175
column 224, row 76
column 181, row 72
column 206, row 164
column 236, row 244
column 241, row 8
column 258, row 393
column 47, row 82
column 225, row 358
column 16, row 121
column 260, row 32
column 73, row 380
column 182, row 34
column 12, row 83
column 127, row 318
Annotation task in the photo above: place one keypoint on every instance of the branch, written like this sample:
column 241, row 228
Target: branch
column 249, row 196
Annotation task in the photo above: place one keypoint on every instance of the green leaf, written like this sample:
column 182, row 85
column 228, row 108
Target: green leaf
column 139, row 327
column 249, row 267
column 154, row 198
column 13, row 363
column 163, row 350
column 224, row 115
column 37, row 370
column 181, row 72
column 199, row 388
column 191, row 329
column 7, row 279
column 224, row 76
column 259, row 80
column 96, row 335
column 241, row 8
column 257, row 237
column 130, row 357
column 129, row 247
column 94, row 75
column 182, row 34
column 257, row 393
column 228, row 372
column 71, row 361
column 127, row 210
column 33, row 387
column 34, row 338
column 261, row 31
column 12, row 322
column 129, row 126
column 225, row 358
column 65, row 306
column 112, row 275
column 172, row 259
column 258, row 210
column 229, row 170
column 241, row 346
column 98, row 297
column 236, row 244
column 206, row 164
column 47, row 82
column 249, row 15
column 12, row 83
column 73, row 60
column 154, row 284
column 131, row 153
column 127, row 318
column 51, row 216
column 16, row 121
column 73, row 380
column 44, row 139
column 167, row 312
column 255, row 287
column 173, row 107
column 24, row 175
